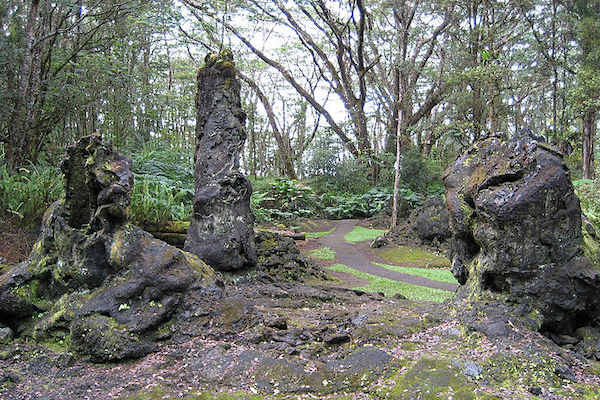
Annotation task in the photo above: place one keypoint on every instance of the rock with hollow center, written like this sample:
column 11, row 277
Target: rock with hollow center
column 516, row 232
column 221, row 229
column 93, row 280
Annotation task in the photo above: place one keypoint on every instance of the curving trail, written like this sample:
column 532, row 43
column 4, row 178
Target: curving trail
column 351, row 256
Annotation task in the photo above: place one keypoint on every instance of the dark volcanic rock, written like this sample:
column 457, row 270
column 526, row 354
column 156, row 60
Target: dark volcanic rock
column 516, row 232
column 280, row 258
column 430, row 221
column 221, row 230
column 93, row 280
column 428, row 224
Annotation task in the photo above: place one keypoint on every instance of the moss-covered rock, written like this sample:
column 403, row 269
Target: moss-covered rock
column 94, row 282
column 280, row 258
column 431, row 379
column 517, row 232
column 222, row 226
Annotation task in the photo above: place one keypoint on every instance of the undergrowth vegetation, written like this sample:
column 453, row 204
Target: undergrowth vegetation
column 27, row 193
column 163, row 186
column 589, row 195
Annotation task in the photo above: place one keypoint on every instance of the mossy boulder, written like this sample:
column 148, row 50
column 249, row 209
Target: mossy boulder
column 517, row 232
column 279, row 257
column 93, row 281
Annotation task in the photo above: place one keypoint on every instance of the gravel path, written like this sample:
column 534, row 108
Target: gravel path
column 351, row 256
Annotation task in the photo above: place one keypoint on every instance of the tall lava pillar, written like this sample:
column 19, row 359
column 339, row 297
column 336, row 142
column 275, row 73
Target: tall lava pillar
column 222, row 226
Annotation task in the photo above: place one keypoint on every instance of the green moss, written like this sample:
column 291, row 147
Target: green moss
column 176, row 226
column 390, row 287
column 441, row 275
column 431, row 379
column 318, row 234
column 591, row 248
column 412, row 256
column 29, row 292
column 324, row 253
column 509, row 370
column 360, row 234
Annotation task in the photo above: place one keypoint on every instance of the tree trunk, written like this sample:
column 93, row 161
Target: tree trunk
column 589, row 133
column 17, row 136
column 396, row 195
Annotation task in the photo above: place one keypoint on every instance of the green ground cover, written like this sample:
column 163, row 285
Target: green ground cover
column 360, row 234
column 390, row 287
column 404, row 255
column 323, row 253
column 318, row 234
column 441, row 275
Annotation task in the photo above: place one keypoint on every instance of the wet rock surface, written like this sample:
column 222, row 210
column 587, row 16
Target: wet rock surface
column 221, row 230
column 94, row 281
column 516, row 232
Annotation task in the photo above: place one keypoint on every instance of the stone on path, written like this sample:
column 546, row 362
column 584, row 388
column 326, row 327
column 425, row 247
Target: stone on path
column 221, row 230
column 516, row 232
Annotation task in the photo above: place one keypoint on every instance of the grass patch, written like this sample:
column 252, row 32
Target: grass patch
column 318, row 234
column 324, row 253
column 415, row 256
column 360, row 234
column 441, row 275
column 390, row 287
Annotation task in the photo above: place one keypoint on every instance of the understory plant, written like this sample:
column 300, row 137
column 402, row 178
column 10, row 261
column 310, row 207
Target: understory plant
column 163, row 188
column 28, row 192
column 373, row 202
column 588, row 192
column 283, row 199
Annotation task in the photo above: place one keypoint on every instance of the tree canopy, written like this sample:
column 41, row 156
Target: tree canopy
column 372, row 78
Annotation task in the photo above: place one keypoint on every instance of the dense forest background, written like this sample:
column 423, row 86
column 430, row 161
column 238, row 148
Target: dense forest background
column 348, row 101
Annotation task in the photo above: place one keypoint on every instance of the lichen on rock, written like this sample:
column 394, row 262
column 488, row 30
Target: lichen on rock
column 517, row 231
column 93, row 280
column 221, row 229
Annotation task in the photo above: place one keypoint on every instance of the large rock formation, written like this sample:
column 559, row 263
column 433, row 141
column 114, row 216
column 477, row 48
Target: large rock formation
column 221, row 230
column 516, row 232
column 94, row 282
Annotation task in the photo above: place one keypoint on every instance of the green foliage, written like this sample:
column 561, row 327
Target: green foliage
column 282, row 199
column 420, row 174
column 347, row 177
column 360, row 234
column 324, row 253
column 371, row 203
column 588, row 192
column 390, row 287
column 28, row 192
column 164, row 185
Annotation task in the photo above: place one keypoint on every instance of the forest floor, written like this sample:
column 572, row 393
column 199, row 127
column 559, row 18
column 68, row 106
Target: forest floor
column 328, row 340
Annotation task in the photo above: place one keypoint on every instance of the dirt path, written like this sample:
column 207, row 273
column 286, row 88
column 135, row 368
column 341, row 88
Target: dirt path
column 351, row 256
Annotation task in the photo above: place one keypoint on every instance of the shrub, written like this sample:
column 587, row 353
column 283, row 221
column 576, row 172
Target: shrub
column 29, row 192
column 371, row 203
column 589, row 195
column 283, row 199
column 163, row 185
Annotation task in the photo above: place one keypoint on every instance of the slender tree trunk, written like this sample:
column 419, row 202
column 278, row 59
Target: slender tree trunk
column 396, row 195
column 589, row 133
column 17, row 134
